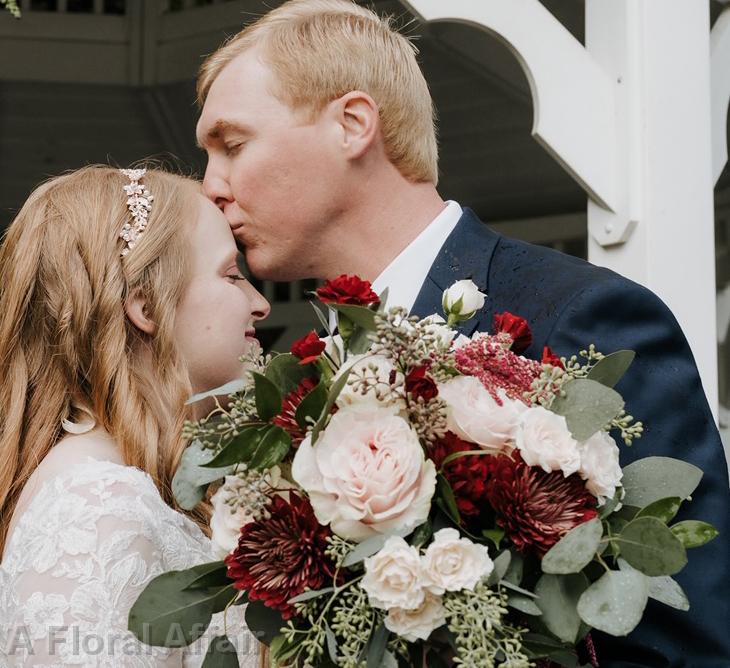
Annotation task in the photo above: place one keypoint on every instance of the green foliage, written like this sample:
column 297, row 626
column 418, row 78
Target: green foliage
column 588, row 406
column 221, row 654
column 286, row 372
column 192, row 477
column 651, row 547
column 609, row 370
column 653, row 478
column 311, row 407
column 615, row 602
column 693, row 533
column 170, row 614
column 575, row 550
column 268, row 397
column 558, row 597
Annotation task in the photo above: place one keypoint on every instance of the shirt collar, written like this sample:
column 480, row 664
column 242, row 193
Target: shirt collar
column 405, row 275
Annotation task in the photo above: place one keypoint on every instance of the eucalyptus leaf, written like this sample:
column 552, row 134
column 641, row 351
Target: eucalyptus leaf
column 389, row 661
column 331, row 642
column 558, row 597
column 323, row 320
column 611, row 368
column 309, row 595
column 268, row 397
column 615, row 603
column 221, row 654
column 365, row 549
column 272, row 448
column 167, row 614
column 523, row 604
column 693, row 533
column 653, row 478
column 501, row 564
column 518, row 590
column 514, row 571
column 575, row 550
column 377, row 645
column 588, row 406
column 651, row 547
column 311, row 406
column 231, row 387
column 422, row 534
column 191, row 478
column 239, row 450
column 663, row 588
column 663, row 509
column 360, row 341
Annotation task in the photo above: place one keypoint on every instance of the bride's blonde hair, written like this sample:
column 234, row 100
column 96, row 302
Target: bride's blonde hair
column 65, row 340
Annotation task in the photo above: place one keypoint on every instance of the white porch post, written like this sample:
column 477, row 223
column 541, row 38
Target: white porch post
column 658, row 53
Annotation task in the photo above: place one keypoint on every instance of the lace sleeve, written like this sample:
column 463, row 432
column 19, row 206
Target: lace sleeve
column 80, row 556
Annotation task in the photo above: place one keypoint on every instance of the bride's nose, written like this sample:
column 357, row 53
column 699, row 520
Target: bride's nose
column 260, row 307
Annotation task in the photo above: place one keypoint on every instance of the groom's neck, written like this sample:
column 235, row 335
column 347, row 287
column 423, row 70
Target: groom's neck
column 385, row 217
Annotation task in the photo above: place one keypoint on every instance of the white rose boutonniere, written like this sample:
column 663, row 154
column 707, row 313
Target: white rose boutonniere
column 462, row 300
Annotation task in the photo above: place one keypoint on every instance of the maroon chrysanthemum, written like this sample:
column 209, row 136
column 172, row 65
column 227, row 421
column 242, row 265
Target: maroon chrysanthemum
column 536, row 509
column 347, row 290
column 420, row 385
column 277, row 558
column 489, row 359
column 467, row 475
column 287, row 418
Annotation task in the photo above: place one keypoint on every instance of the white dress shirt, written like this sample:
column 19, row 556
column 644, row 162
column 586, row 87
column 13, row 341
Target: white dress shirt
column 405, row 275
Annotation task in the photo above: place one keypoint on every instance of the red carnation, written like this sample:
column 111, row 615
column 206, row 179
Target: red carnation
column 287, row 418
column 516, row 327
column 549, row 357
column 536, row 509
column 347, row 290
column 467, row 475
column 277, row 558
column 418, row 384
column 308, row 348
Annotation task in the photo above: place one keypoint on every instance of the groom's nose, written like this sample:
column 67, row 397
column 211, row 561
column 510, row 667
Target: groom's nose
column 216, row 188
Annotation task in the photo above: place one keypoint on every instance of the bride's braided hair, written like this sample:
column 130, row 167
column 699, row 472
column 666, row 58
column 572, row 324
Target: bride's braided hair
column 64, row 336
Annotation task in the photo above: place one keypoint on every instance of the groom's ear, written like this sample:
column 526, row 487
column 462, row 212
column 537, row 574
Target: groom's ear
column 138, row 312
column 358, row 117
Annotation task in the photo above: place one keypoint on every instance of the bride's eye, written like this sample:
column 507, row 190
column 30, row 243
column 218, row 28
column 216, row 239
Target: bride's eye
column 236, row 277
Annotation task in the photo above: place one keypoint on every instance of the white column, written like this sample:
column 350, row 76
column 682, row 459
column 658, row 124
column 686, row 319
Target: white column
column 658, row 53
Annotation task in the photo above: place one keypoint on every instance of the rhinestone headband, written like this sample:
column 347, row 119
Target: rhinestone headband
column 139, row 203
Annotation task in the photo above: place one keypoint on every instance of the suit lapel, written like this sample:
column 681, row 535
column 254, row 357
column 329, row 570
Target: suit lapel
column 467, row 253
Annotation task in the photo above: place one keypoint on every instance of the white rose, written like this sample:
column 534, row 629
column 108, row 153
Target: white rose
column 453, row 563
column 462, row 300
column 367, row 473
column 475, row 416
column 393, row 577
column 599, row 466
column 418, row 624
column 371, row 367
column 545, row 441
column 227, row 518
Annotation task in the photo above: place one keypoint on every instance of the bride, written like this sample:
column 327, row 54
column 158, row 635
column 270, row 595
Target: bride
column 119, row 297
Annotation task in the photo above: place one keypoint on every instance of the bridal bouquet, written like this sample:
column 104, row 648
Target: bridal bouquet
column 397, row 494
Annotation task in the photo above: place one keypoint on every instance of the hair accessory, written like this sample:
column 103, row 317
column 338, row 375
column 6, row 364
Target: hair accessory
column 139, row 203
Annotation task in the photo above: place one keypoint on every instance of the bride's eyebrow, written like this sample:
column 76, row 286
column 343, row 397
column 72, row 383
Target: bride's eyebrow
column 229, row 260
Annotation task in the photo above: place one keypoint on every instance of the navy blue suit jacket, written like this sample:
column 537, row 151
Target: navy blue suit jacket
column 569, row 304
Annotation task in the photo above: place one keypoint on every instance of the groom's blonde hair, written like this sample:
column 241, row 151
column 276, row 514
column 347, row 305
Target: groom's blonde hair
column 320, row 50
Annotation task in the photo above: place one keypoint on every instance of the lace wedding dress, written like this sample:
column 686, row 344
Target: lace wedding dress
column 83, row 549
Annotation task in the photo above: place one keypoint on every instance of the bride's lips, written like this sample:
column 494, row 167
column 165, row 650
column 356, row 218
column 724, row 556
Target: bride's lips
column 251, row 334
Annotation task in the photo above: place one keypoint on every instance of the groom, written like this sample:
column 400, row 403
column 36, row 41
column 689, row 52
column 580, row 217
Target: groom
column 319, row 130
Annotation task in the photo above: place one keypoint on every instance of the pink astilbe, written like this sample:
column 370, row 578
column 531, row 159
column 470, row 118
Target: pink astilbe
column 489, row 359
